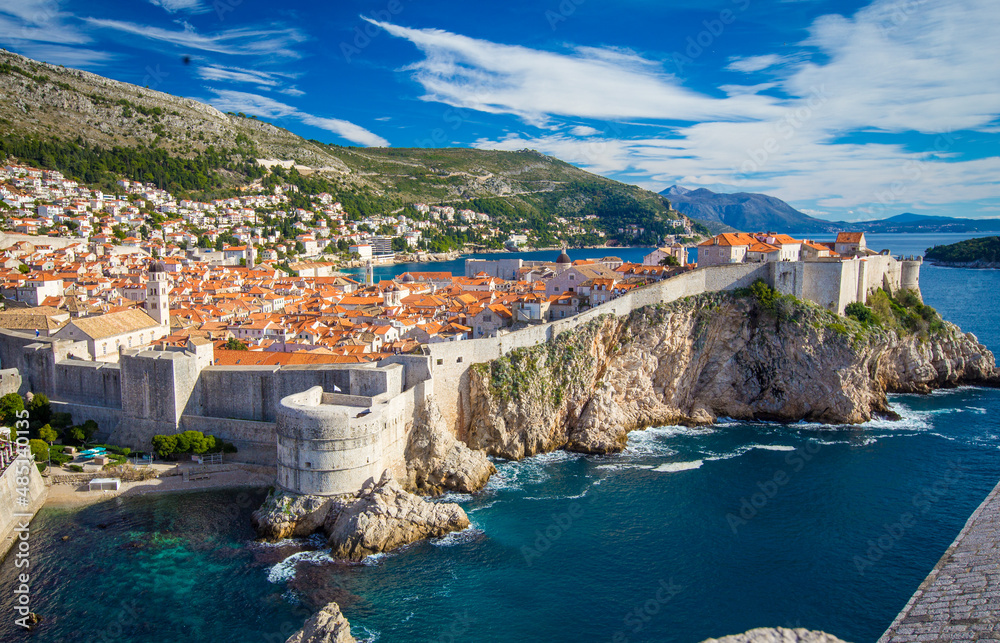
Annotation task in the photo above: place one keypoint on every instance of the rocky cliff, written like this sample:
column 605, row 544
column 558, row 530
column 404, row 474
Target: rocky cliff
column 715, row 355
column 327, row 626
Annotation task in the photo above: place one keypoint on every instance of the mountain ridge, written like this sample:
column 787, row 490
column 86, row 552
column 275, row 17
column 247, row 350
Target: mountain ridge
column 46, row 106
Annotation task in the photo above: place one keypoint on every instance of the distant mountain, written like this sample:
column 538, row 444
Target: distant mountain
column 909, row 222
column 749, row 212
column 743, row 211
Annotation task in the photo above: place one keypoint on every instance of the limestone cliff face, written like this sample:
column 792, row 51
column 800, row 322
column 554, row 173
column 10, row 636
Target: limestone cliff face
column 436, row 462
column 704, row 357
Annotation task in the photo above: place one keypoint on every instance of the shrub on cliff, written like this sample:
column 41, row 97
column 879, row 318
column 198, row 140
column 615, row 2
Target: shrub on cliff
column 40, row 450
column 862, row 313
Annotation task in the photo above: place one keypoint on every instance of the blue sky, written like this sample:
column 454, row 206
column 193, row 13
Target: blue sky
column 847, row 110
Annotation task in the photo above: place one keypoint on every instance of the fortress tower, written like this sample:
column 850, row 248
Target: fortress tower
column 157, row 304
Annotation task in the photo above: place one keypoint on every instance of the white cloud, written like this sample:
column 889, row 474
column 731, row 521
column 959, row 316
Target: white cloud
column 234, row 101
column 584, row 130
column 754, row 63
column 27, row 21
column 244, row 41
column 187, row 6
column 536, row 85
column 898, row 69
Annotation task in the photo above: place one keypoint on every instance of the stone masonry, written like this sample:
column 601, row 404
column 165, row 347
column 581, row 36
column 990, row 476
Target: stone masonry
column 960, row 599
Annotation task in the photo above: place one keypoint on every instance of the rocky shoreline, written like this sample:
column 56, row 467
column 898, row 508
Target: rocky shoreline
column 701, row 358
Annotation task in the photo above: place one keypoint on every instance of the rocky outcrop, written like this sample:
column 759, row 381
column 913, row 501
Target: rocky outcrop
column 289, row 515
column 384, row 517
column 436, row 462
column 704, row 357
column 380, row 517
column 778, row 635
column 326, row 626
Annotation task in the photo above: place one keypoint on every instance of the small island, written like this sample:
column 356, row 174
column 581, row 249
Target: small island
column 983, row 252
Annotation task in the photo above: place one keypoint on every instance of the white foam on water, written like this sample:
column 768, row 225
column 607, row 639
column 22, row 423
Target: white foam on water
column 651, row 442
column 976, row 409
column 467, row 535
column 315, row 541
column 672, row 467
column 513, row 475
column 373, row 560
column 623, row 466
column 285, row 570
column 452, row 496
column 773, row 447
column 365, row 635
column 486, row 506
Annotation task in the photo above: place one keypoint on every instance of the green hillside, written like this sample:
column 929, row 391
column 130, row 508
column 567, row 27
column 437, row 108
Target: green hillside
column 95, row 130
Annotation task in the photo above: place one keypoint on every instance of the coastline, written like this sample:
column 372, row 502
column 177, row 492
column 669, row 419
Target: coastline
column 72, row 496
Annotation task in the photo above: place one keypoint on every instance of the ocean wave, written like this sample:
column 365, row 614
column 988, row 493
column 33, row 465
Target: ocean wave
column 976, row 409
column 672, row 467
column 622, row 466
column 315, row 541
column 452, row 496
column 285, row 570
column 481, row 507
column 514, row 475
column 364, row 635
column 652, row 441
column 374, row 560
column 467, row 535
column 773, row 447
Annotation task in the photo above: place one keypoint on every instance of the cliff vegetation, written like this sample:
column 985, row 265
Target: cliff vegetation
column 971, row 252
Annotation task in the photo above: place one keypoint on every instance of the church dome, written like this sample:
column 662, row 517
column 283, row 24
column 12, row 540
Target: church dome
column 158, row 266
column 563, row 258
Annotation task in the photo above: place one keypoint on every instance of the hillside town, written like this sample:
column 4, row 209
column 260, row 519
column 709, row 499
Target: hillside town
column 104, row 276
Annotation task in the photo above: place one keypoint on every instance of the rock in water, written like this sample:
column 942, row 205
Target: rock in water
column 326, row 626
column 287, row 515
column 437, row 462
column 385, row 516
column 778, row 635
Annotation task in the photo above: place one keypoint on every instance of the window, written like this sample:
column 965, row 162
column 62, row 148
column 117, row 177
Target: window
column 459, row 360
column 309, row 465
column 571, row 277
column 440, row 362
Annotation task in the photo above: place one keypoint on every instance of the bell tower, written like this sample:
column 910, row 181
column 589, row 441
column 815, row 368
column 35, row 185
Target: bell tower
column 157, row 290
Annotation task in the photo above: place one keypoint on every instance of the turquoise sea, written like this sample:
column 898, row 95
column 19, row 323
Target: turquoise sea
column 687, row 534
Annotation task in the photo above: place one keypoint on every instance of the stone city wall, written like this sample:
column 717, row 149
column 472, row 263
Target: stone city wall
column 9, row 484
column 332, row 444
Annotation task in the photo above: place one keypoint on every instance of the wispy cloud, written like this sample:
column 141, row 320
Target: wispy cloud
column 535, row 85
column 269, row 79
column 234, row 101
column 237, row 42
column 754, row 63
column 186, row 6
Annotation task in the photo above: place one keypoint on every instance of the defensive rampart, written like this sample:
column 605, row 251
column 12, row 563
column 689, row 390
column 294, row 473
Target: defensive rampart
column 358, row 424
column 330, row 443
column 21, row 474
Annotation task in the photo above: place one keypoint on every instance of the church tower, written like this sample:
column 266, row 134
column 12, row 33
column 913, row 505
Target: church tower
column 157, row 304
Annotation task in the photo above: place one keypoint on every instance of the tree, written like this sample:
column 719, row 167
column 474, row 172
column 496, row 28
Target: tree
column 40, row 410
column 343, row 245
column 48, row 434
column 165, row 445
column 670, row 260
column 233, row 344
column 23, row 269
column 398, row 244
column 40, row 450
column 10, row 405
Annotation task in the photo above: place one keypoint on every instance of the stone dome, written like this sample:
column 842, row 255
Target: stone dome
column 563, row 258
column 158, row 266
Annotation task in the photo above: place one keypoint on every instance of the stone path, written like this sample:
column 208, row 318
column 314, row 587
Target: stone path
column 960, row 599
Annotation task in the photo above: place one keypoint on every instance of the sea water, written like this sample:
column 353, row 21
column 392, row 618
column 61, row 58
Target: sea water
column 688, row 534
